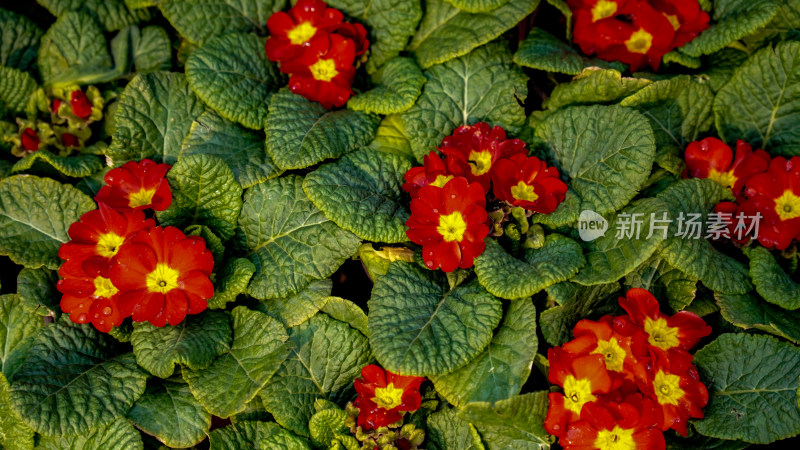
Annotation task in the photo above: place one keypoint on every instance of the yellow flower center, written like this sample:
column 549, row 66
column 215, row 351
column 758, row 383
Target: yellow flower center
column 324, row 70
column 480, row 162
column 787, row 205
column 639, row 42
column 302, row 33
column 163, row 279
column 603, row 9
column 613, row 354
column 523, row 191
column 667, row 387
column 388, row 397
column 578, row 392
column 452, row 227
column 661, row 335
column 108, row 244
column 104, row 288
column 673, row 20
column 615, row 439
column 142, row 198
column 441, row 180
column 726, row 178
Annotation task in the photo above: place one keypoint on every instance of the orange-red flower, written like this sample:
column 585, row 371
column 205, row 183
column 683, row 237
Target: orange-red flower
column 291, row 33
column 30, row 140
column 596, row 22
column 325, row 71
column 526, row 181
column 592, row 337
column 685, row 16
column 89, row 295
column 432, row 172
column 384, row 396
column 137, row 185
column 81, row 106
column 776, row 195
column 712, row 158
column 474, row 149
column 357, row 33
column 675, row 384
column 632, row 424
column 450, row 224
column 70, row 140
column 644, row 41
column 162, row 275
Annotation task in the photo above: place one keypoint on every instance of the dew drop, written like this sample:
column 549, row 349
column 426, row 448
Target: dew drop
column 429, row 263
column 81, row 318
column 96, row 315
column 80, row 305
column 107, row 311
column 101, row 322
column 452, row 195
column 435, row 211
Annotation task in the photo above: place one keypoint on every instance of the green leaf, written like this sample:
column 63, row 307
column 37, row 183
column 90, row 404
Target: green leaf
column 297, row 308
column 119, row 435
column 326, row 424
column 733, row 20
column 213, row 242
column 752, row 384
column 697, row 257
column 747, row 311
column 399, row 83
column 447, row 32
column 362, row 192
column 391, row 138
column 769, row 84
column 607, row 151
column 390, row 22
column 37, row 291
column 154, row 115
column 722, row 65
column 477, row 5
column 19, row 41
column 517, row 422
column 499, row 371
column 290, row 241
column 418, row 326
column 301, row 133
column 204, row 192
column 194, row 343
column 14, row 434
column 236, row 376
column 231, row 281
column 77, row 166
column 246, row 434
column 198, row 22
column 678, row 57
column 16, row 88
column 152, row 49
column 232, row 74
column 446, row 431
column 112, row 14
column 509, row 277
column 326, row 357
column 74, row 45
column 18, row 329
column 594, row 85
column 775, row 285
column 348, row 312
column 541, row 50
column 169, row 412
column 35, row 214
column 244, row 150
column 664, row 281
column 72, row 381
column 576, row 302
column 481, row 86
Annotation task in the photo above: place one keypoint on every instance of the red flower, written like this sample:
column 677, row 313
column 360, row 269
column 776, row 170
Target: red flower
column 30, row 140
column 644, row 41
column 69, row 140
column 529, row 183
column 357, row 33
column 137, row 185
column 383, row 396
column 162, row 275
column 81, row 106
column 56, row 104
column 599, row 338
column 632, row 424
column 676, row 386
column 433, row 172
column 581, row 377
column 776, row 195
column 680, row 331
column 685, row 16
column 324, row 72
column 595, row 22
column 712, row 158
column 291, row 33
column 450, row 224
column 100, row 233
column 89, row 295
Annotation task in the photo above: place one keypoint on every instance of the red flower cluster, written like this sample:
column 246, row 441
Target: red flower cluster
column 313, row 45
column 769, row 188
column 636, row 32
column 118, row 263
column 626, row 379
column 448, row 197
column 383, row 397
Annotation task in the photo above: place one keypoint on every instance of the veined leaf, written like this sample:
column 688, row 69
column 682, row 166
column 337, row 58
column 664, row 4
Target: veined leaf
column 664, row 281
column 517, row 422
column 231, row 281
column 747, row 311
column 119, row 434
column 733, row 20
column 297, row 308
column 541, row 50
column 112, row 14
column 14, row 434
column 399, row 83
column 16, row 88
column 249, row 434
column 18, row 329
column 775, row 285
column 37, row 291
column 74, row 45
column 575, row 302
column 169, row 412
column 594, row 85
column 152, row 49
column 19, row 41
column 446, row 430
column 71, row 166
column 199, row 21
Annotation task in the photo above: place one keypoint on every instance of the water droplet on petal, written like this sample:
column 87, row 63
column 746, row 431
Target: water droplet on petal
column 429, row 263
column 435, row 211
column 80, row 305
column 107, row 311
column 96, row 315
column 81, row 318
column 452, row 195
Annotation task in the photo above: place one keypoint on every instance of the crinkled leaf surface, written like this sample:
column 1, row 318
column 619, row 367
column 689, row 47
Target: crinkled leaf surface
column 298, row 308
column 19, row 40
column 231, row 281
column 16, row 87
column 37, row 291
column 18, row 328
column 290, row 241
column 74, row 44
column 112, row 14
column 119, row 434
column 664, row 281
column 418, row 326
column 446, row 430
column 14, row 434
column 169, row 412
column 198, row 21
column 362, row 192
column 391, row 137
column 399, row 83
column 575, row 303
column 245, row 434
column 775, row 285
column 594, row 85
column 348, row 312
column 517, row 422
column 72, row 166
column 732, row 20
column 477, row 5
column 152, row 49
column 748, row 311
column 541, row 50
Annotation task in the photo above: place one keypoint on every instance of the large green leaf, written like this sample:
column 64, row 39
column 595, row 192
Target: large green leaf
column 348, row 312
column 399, row 83
column 297, row 308
column 231, row 281
column 199, row 21
column 752, row 383
column 478, row 5
column 77, row 166
column 19, row 40
column 447, row 32
column 152, row 49
column 768, row 83
column 251, row 434
column 517, row 422
column 362, row 192
column 607, row 151
column 481, row 86
column 194, row 343
column 594, row 85
column 508, row 277
column 232, row 74
column 169, row 412
column 37, row 291
column 301, row 133
column 541, row 50
column 74, row 45
column 72, row 381
column 204, row 192
column 18, row 329
column 290, row 241
column 575, row 302
column 119, row 435
column 419, row 326
column 112, row 14
column 664, row 281
column 391, row 138
column 244, row 150
column 326, row 357
column 16, row 88
column 733, row 20
column 748, row 311
column 775, row 285
column 14, row 434
column 499, row 371
column 154, row 115
column 35, row 214
column 446, row 431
